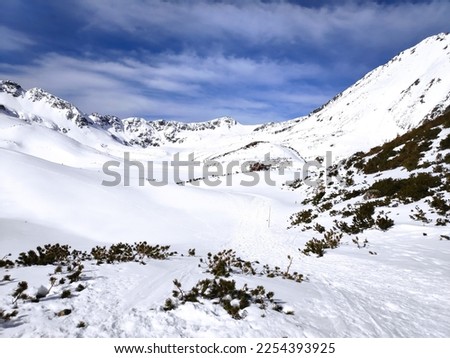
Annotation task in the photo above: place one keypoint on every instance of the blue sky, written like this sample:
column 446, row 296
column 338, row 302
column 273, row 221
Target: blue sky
column 256, row 61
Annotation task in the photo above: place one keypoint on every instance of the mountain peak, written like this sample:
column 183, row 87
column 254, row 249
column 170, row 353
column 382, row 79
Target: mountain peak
column 11, row 88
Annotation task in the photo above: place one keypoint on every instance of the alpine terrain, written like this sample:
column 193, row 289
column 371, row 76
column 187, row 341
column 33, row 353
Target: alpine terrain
column 335, row 224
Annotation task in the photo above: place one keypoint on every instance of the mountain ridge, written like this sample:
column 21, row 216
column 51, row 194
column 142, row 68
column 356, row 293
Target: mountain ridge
column 403, row 93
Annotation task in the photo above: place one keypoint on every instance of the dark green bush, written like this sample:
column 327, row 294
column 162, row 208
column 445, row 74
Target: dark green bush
column 447, row 158
column 442, row 222
column 123, row 252
column 47, row 255
column 326, row 206
column 441, row 205
column 445, row 143
column 303, row 217
column 317, row 197
column 363, row 216
column 7, row 316
column 66, row 294
column 331, row 240
column 418, row 186
column 383, row 222
column 225, row 262
column 81, row 324
column 387, row 187
column 223, row 292
column 156, row 252
column 6, row 263
column 319, row 228
column 414, row 188
column 276, row 272
column 19, row 292
column 419, row 215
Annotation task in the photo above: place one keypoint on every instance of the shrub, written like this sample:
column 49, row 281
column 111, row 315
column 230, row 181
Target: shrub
column 319, row 228
column 304, row 216
column 19, row 292
column 383, row 222
column 120, row 252
column 66, row 294
column 442, row 222
column 123, row 252
column 7, row 316
column 363, row 216
column 156, row 252
column 347, row 195
column 169, row 305
column 225, row 262
column 224, row 293
column 5, row 263
column 445, row 143
column 317, row 198
column 326, row 206
column 64, row 312
column 440, row 204
column 416, row 187
column 447, row 158
column 387, row 187
column 419, row 215
column 276, row 272
column 331, row 240
column 47, row 255
column 75, row 276
column 297, row 183
column 414, row 144
column 358, row 244
column 345, row 227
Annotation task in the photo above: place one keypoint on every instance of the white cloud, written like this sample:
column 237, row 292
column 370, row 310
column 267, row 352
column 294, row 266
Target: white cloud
column 12, row 40
column 184, row 87
column 366, row 23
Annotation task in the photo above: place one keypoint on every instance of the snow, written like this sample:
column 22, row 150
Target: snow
column 51, row 192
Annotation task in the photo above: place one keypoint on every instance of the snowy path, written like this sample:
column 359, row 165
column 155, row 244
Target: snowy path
column 401, row 292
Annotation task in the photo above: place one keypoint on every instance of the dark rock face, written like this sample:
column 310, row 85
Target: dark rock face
column 11, row 88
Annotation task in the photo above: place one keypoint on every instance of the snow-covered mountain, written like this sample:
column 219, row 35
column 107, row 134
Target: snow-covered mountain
column 411, row 88
column 399, row 95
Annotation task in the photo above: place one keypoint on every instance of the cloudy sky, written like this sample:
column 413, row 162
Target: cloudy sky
column 256, row 61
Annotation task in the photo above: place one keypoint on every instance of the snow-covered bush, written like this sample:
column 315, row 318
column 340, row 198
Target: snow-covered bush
column 4, row 316
column 276, row 272
column 225, row 293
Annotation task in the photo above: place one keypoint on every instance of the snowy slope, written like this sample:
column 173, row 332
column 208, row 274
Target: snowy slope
column 395, row 97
